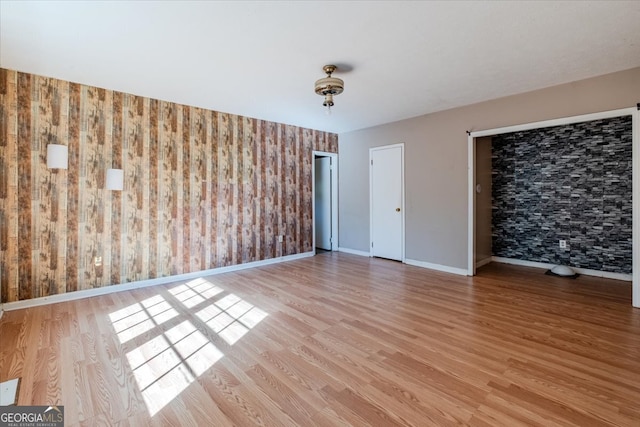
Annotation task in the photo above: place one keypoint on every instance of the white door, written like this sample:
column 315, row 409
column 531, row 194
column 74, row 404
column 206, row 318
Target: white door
column 323, row 202
column 387, row 215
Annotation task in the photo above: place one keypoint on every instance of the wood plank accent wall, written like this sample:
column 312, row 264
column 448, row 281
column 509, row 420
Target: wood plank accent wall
column 203, row 189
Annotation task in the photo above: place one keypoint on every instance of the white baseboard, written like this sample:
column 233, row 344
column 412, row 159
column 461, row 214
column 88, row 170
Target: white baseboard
column 87, row 293
column 585, row 271
column 439, row 267
column 354, row 252
column 483, row 262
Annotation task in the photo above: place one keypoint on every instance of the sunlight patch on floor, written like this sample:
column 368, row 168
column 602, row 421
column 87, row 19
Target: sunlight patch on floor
column 142, row 317
column 231, row 317
column 165, row 365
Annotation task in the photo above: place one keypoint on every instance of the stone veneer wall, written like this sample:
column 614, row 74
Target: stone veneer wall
column 570, row 182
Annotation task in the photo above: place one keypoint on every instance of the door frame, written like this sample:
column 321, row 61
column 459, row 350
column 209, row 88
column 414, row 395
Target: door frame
column 402, row 195
column 635, row 161
column 334, row 198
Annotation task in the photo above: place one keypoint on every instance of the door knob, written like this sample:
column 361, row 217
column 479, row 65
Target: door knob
column 397, row 209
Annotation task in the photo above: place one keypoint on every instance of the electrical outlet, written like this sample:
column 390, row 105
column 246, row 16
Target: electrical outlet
column 563, row 244
column 97, row 261
column 280, row 238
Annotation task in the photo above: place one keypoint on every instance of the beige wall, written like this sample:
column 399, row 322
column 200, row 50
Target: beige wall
column 483, row 198
column 436, row 161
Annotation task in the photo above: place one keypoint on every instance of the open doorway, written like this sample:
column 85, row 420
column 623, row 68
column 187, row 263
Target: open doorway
column 325, row 201
column 477, row 146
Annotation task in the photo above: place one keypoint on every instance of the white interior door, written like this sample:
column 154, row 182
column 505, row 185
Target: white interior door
column 387, row 202
column 323, row 202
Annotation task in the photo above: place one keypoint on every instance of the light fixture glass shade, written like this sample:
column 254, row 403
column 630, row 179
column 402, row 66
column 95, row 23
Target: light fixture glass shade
column 57, row 156
column 329, row 86
column 115, row 179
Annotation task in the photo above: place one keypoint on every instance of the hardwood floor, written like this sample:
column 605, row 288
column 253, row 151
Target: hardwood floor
column 337, row 339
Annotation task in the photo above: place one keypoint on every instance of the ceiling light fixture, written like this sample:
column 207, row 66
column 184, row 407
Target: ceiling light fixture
column 329, row 86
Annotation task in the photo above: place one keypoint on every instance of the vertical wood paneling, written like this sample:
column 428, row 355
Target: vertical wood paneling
column 116, row 196
column 187, row 222
column 89, row 164
column 261, row 178
column 224, row 190
column 24, row 213
column 73, row 189
column 4, row 79
column 62, row 184
column 178, row 218
column 271, row 199
column 39, row 231
column 144, row 161
column 213, row 168
column 289, row 186
column 281, row 209
column 231, row 231
column 305, row 188
column 171, row 127
column 4, row 178
column 198, row 182
column 8, row 187
column 105, row 138
column 165, row 195
column 153, row 162
column 246, row 186
column 203, row 189
column 134, row 196
column 51, row 127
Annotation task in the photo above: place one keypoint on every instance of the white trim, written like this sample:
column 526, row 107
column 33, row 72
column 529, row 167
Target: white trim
column 439, row 267
column 404, row 208
column 354, row 252
column 335, row 218
column 635, row 116
column 546, row 266
column 555, row 122
column 334, row 197
column 402, row 195
column 635, row 221
column 483, row 262
column 471, row 214
column 87, row 293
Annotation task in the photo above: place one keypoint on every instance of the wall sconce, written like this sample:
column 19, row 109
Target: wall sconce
column 57, row 156
column 115, row 179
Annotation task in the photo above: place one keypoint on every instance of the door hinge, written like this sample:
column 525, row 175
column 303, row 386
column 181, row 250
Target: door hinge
column 371, row 162
column 371, row 244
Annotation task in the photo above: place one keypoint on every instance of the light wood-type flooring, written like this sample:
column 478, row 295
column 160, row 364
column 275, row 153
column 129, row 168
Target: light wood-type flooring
column 337, row 339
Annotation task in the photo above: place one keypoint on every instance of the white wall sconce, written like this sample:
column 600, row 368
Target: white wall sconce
column 115, row 179
column 57, row 156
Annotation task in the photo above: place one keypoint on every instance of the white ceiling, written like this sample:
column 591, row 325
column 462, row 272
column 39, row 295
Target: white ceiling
column 260, row 59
